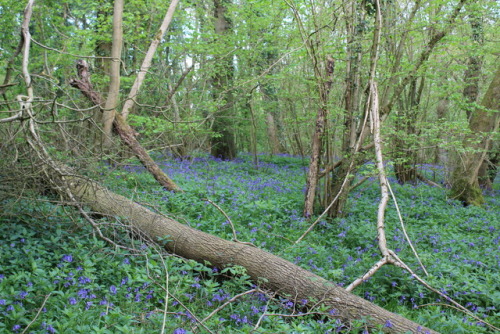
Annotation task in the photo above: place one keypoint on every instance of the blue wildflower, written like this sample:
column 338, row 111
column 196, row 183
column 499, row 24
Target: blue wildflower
column 83, row 293
column 84, row 280
column 67, row 258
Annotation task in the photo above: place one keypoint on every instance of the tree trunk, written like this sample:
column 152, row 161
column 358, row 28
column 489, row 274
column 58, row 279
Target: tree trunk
column 270, row 271
column 317, row 140
column 223, row 143
column 108, row 114
column 406, row 142
column 483, row 123
column 274, row 143
column 127, row 134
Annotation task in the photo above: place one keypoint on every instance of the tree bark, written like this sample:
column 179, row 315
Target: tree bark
column 317, row 140
column 223, row 143
column 268, row 270
column 406, row 142
column 127, row 134
column 108, row 114
column 484, row 122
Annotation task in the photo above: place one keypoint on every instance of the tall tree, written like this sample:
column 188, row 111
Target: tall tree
column 108, row 113
column 223, row 142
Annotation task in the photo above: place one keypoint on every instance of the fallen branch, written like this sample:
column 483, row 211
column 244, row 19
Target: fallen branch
column 125, row 131
column 427, row 181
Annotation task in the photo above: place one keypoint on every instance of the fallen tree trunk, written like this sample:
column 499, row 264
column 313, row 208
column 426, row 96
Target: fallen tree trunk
column 268, row 270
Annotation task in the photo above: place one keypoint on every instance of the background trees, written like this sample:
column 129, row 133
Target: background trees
column 287, row 77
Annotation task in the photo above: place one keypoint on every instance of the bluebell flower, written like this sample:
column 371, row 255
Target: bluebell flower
column 72, row 301
column 180, row 331
column 84, row 280
column 83, row 293
column 67, row 258
column 3, row 302
column 388, row 324
column 112, row 289
column 16, row 328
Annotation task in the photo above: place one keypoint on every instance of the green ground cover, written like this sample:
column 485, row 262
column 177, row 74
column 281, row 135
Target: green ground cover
column 52, row 262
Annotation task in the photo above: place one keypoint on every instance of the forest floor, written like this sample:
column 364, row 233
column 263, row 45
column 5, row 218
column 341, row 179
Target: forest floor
column 57, row 276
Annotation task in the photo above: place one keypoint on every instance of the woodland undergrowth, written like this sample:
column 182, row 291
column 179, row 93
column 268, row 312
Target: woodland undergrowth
column 57, row 276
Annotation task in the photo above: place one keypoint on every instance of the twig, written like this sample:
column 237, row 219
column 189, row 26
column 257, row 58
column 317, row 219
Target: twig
column 429, row 182
column 37, row 313
column 235, row 238
column 368, row 274
column 404, row 230
column 360, row 182
column 225, row 304
column 191, row 313
column 456, row 304
column 257, row 324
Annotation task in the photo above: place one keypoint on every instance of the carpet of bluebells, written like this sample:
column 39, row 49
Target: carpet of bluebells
column 57, row 276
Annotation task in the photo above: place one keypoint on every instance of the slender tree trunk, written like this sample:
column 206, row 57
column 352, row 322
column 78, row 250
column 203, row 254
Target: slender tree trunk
column 317, row 140
column 148, row 59
column 108, row 114
column 338, row 182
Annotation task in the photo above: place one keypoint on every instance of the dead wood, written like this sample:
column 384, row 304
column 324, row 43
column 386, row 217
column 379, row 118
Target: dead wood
column 125, row 131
